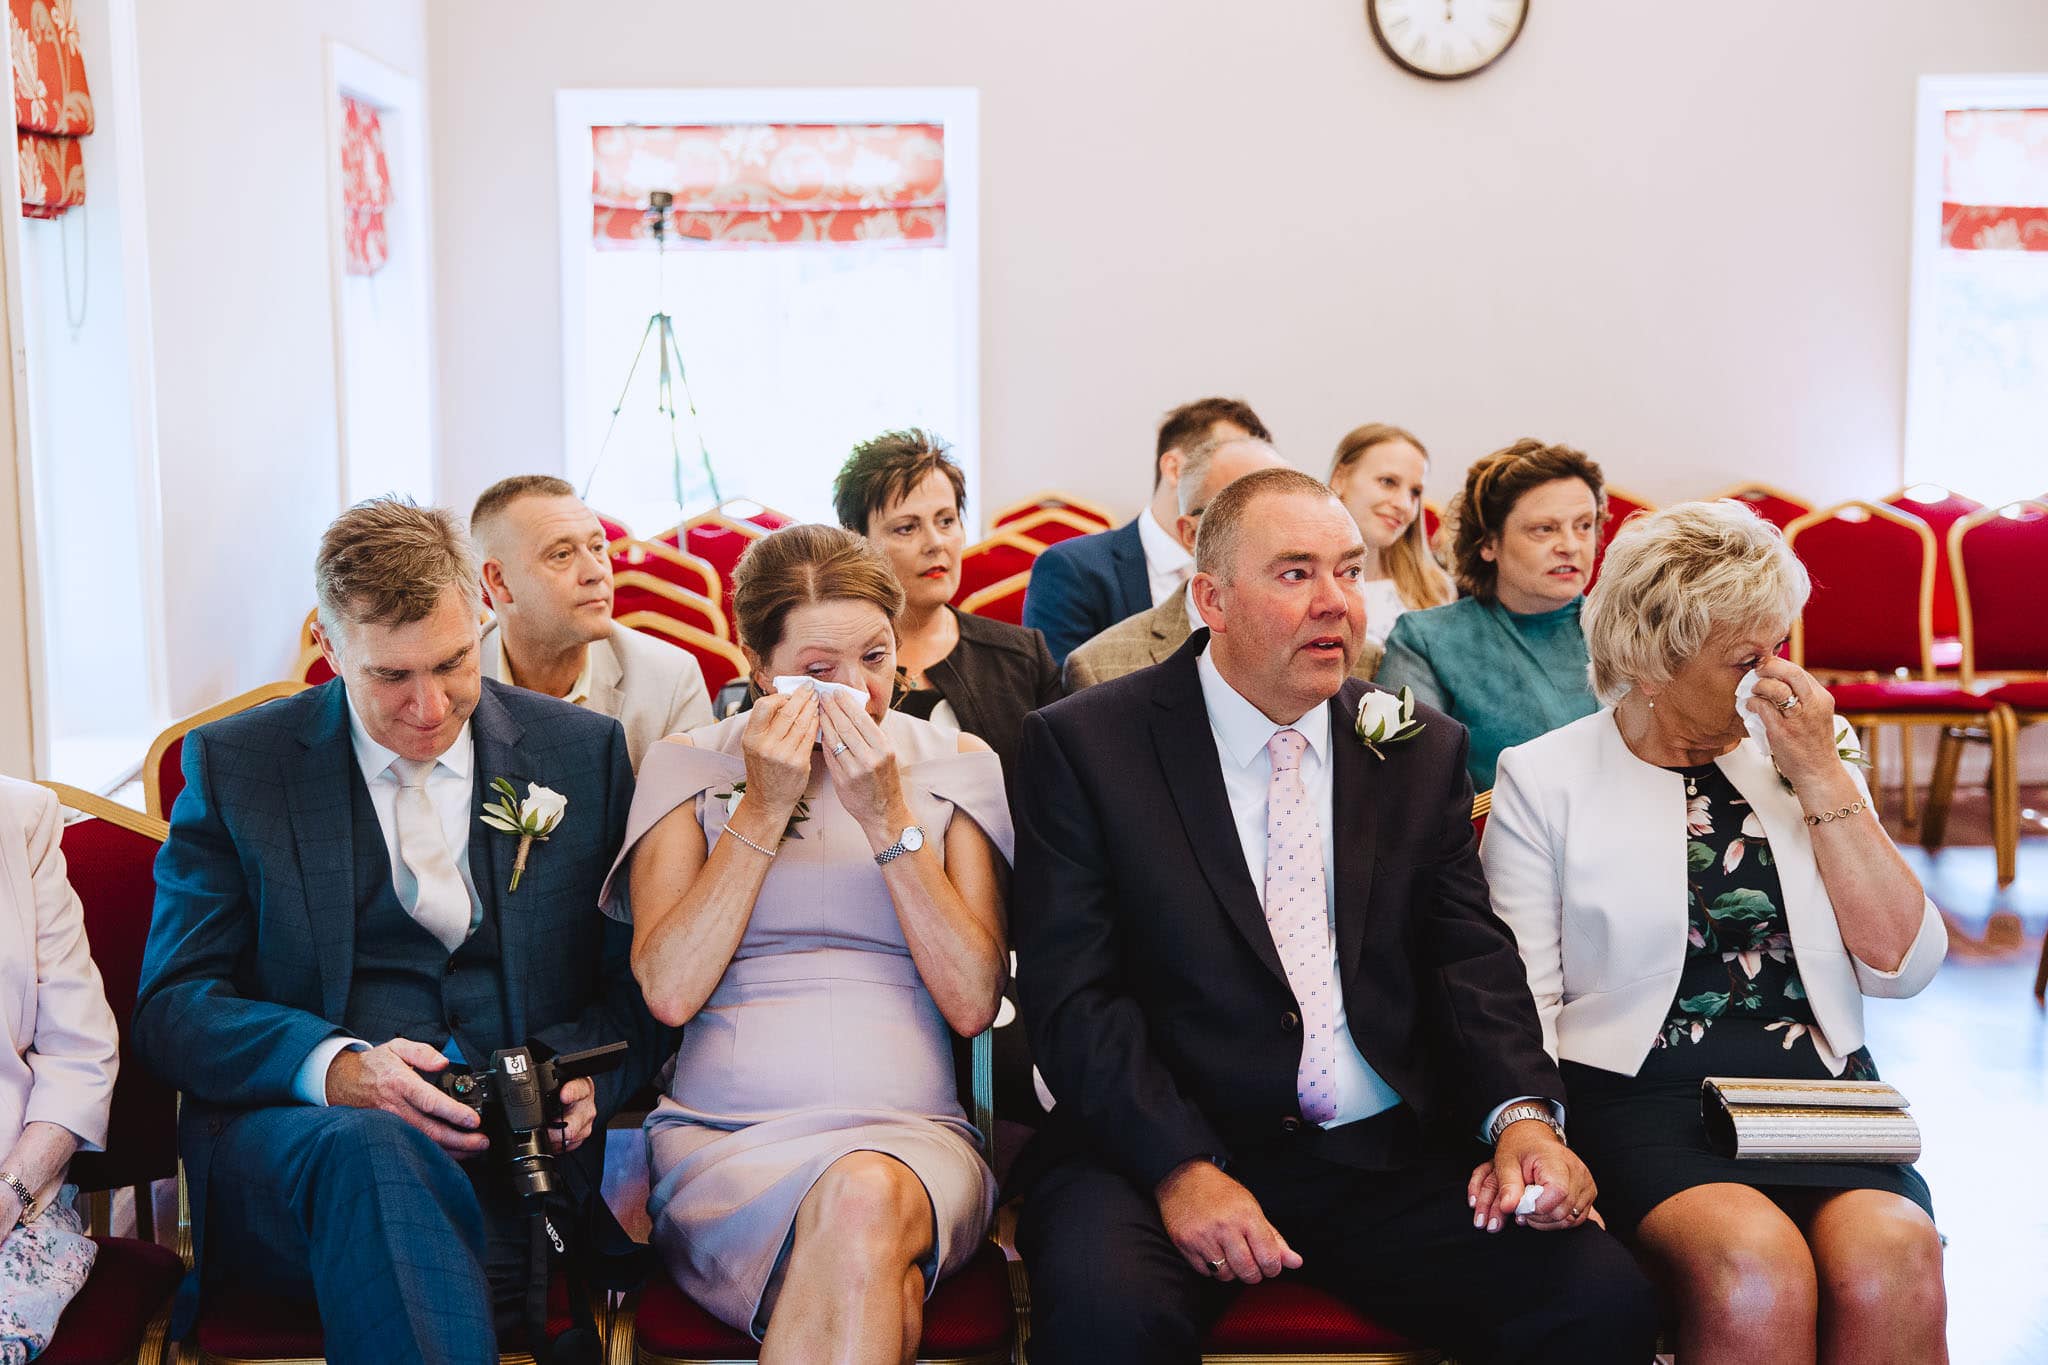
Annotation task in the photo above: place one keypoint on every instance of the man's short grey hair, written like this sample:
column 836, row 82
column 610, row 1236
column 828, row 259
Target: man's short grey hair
column 1224, row 520
column 1197, row 459
column 1672, row 579
column 387, row 562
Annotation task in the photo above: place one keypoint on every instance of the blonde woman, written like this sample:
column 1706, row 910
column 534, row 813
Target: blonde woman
column 1690, row 902
column 1378, row 472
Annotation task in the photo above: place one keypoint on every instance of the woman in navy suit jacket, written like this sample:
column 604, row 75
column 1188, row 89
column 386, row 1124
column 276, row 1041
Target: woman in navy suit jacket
column 1692, row 902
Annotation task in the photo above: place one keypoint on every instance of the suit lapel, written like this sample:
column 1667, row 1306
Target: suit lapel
column 317, row 785
column 1194, row 774
column 1170, row 627
column 492, row 853
column 607, row 678
column 1127, row 548
column 1354, row 824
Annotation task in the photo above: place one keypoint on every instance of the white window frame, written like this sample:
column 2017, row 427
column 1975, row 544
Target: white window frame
column 958, row 109
column 1938, row 97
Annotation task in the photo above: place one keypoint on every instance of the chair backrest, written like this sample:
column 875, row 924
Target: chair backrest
column 990, row 561
column 720, row 660
column 751, row 513
column 664, row 561
column 1051, row 526
column 162, row 778
column 1774, row 505
column 1065, row 502
column 1432, row 522
column 1873, row 590
column 1482, row 806
column 634, row 592
column 1003, row 601
column 719, row 541
column 614, row 529
column 312, row 669
column 110, row 858
column 1940, row 509
column 1621, row 505
column 1999, row 559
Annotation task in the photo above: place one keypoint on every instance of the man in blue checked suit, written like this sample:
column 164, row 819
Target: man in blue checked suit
column 335, row 923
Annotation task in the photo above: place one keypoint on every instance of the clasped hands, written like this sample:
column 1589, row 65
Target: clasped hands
column 1219, row 1229
column 782, row 730
column 387, row 1077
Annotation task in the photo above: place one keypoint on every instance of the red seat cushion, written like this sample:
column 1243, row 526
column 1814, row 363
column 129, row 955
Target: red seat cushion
column 130, row 1281
column 1906, row 697
column 968, row 1314
column 247, row 1324
column 1289, row 1316
column 2023, row 696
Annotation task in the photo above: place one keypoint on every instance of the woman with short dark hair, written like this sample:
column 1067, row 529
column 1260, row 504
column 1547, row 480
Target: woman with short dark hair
column 903, row 491
column 1509, row 660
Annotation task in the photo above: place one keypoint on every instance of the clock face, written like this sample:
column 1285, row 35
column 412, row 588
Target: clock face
column 1446, row 39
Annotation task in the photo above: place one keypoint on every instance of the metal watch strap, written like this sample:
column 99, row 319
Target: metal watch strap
column 1515, row 1113
column 21, row 1190
column 899, row 848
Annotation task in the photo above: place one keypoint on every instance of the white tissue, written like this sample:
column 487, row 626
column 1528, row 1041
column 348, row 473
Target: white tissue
column 1751, row 721
column 1530, row 1194
column 789, row 683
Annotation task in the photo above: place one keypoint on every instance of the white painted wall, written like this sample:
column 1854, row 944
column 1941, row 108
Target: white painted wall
column 235, row 120
column 1675, row 235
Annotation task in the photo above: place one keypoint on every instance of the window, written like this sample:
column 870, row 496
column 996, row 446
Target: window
column 1977, row 387
column 810, row 307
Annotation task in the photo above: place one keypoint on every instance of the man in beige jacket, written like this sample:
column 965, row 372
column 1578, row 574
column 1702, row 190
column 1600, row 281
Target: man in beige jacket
column 1207, row 468
column 548, row 581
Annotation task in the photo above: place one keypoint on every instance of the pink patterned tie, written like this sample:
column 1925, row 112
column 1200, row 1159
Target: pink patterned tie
column 1298, row 917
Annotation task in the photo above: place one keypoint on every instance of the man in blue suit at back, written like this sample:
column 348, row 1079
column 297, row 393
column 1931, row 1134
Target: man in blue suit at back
column 335, row 924
column 1082, row 587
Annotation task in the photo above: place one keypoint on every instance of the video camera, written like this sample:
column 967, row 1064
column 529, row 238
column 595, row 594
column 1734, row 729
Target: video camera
column 519, row 1098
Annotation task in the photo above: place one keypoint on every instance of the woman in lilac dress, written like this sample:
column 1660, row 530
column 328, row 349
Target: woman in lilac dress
column 815, row 888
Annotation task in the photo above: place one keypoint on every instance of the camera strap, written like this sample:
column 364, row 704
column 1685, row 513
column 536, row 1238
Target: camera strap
column 559, row 1243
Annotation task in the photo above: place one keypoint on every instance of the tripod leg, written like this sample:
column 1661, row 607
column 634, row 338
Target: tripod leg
column 703, row 451
column 624, row 388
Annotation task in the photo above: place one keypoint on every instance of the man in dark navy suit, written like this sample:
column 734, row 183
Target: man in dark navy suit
column 1286, row 1032
column 335, row 924
column 1082, row 587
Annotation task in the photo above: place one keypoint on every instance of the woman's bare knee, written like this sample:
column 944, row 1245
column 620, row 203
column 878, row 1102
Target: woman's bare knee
column 871, row 1207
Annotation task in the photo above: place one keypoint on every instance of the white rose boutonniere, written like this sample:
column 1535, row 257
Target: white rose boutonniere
column 1386, row 718
column 535, row 818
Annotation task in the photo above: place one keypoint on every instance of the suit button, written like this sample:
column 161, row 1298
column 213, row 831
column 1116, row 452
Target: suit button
column 1290, row 1124
column 449, row 970
column 1290, row 1021
column 454, row 1021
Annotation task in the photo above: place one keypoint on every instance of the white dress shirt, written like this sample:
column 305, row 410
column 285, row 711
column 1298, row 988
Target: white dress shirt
column 1242, row 733
column 1167, row 563
column 451, row 787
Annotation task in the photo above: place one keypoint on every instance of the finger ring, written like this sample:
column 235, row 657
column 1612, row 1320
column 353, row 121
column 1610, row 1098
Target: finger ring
column 1215, row 1265
column 1788, row 703
column 839, row 748
column 1574, row 1213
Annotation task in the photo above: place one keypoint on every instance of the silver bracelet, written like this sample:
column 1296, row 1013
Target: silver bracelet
column 21, row 1190
column 767, row 852
column 1829, row 816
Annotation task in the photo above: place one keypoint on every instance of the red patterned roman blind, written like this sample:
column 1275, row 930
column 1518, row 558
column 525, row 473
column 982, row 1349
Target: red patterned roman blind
column 52, row 107
column 770, row 184
column 365, row 187
column 1995, row 180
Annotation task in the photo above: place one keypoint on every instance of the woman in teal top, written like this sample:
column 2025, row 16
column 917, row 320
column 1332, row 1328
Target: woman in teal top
column 1508, row 661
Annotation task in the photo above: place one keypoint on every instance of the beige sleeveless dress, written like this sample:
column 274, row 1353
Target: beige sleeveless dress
column 821, row 1038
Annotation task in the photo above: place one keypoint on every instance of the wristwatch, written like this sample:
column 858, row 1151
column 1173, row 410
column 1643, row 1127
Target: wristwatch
column 22, row 1192
column 909, row 841
column 1515, row 1113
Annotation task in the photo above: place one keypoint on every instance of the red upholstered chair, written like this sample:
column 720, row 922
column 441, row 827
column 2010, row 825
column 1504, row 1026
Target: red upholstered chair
column 1621, row 505
column 1777, row 507
column 1065, row 502
column 1432, row 522
column 990, row 561
column 123, row 1313
column 1867, row 633
column 162, row 778
column 720, row 660
column 1002, row 601
column 970, row 1319
column 614, row 529
column 634, row 593
column 1051, row 526
column 1282, row 1321
column 1941, row 510
column 1998, row 558
column 719, row 541
column 659, row 559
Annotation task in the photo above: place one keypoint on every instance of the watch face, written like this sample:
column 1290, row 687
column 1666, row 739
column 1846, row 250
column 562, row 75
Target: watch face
column 1446, row 39
column 912, row 840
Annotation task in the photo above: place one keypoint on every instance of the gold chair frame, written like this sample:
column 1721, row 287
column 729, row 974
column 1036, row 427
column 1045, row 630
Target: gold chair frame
column 152, row 786
column 669, row 592
column 1024, row 507
column 975, row 601
column 626, row 546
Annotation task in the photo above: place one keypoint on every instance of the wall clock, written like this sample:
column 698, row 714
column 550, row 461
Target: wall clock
column 1446, row 39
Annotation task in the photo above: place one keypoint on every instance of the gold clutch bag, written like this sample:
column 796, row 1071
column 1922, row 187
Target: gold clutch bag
column 1769, row 1120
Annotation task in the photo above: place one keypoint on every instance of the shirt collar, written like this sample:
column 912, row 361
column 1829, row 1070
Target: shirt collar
column 375, row 760
column 1242, row 729
column 1162, row 552
column 579, row 691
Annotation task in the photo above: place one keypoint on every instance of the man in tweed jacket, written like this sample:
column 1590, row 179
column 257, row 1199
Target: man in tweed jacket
column 334, row 924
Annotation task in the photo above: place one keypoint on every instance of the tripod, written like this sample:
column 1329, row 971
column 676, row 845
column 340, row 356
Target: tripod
column 661, row 330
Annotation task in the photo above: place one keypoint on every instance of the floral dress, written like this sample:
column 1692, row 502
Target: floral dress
column 43, row 1264
column 1740, row 1010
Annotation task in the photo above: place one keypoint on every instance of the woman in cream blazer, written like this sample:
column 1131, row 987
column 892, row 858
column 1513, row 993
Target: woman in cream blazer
column 1699, row 886
column 56, row 1070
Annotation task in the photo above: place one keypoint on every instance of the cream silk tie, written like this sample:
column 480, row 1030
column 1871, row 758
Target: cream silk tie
column 1298, row 917
column 441, row 901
